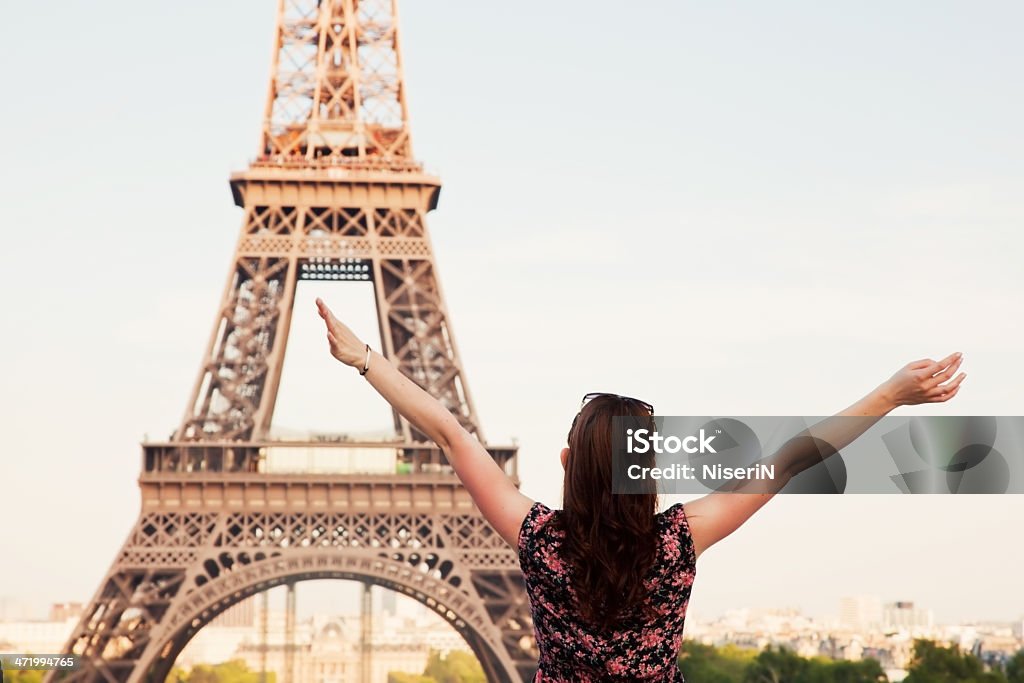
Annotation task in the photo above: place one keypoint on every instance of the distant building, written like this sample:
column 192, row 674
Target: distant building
column 330, row 650
column 860, row 613
column 62, row 611
column 904, row 616
column 39, row 637
column 965, row 637
column 896, row 675
column 853, row 651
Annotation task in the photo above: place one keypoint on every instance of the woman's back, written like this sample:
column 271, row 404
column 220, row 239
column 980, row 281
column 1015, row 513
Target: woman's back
column 638, row 649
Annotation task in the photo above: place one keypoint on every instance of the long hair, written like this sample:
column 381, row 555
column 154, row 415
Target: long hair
column 610, row 539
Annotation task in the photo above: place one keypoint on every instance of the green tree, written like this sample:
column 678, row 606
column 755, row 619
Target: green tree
column 23, row 676
column 780, row 665
column 732, row 664
column 234, row 671
column 822, row 670
column 1015, row 668
column 709, row 664
column 776, row 665
column 457, row 667
column 402, row 677
column 933, row 663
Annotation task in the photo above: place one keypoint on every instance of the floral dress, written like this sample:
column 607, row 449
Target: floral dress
column 638, row 649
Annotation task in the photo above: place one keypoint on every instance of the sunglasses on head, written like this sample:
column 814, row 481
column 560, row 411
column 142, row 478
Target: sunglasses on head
column 597, row 394
column 629, row 399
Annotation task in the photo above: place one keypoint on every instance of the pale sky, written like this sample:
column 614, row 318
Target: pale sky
column 731, row 208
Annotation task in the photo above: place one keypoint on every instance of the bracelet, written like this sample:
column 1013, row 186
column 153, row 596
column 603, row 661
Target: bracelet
column 366, row 364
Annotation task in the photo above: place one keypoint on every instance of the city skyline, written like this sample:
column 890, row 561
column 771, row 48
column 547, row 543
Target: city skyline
column 927, row 189
column 402, row 633
column 11, row 610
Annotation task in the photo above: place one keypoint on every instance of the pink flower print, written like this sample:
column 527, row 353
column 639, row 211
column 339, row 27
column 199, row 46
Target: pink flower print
column 616, row 666
column 651, row 640
column 672, row 549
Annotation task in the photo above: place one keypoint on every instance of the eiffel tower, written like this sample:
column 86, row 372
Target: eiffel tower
column 334, row 194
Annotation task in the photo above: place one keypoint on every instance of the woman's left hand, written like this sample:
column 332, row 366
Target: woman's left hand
column 925, row 381
column 345, row 345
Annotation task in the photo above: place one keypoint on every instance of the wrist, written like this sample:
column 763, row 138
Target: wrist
column 883, row 400
column 363, row 364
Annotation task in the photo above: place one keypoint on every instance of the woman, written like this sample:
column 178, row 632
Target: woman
column 607, row 576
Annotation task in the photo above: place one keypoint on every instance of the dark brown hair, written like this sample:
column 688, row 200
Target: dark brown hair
column 610, row 538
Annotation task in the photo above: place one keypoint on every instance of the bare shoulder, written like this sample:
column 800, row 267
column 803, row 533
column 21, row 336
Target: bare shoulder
column 510, row 519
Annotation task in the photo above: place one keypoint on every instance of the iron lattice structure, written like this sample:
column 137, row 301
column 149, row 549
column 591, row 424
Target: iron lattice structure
column 336, row 194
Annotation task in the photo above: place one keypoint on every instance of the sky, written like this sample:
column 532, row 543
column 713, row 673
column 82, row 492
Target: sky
column 731, row 208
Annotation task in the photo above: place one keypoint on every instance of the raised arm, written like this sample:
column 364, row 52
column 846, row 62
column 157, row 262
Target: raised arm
column 491, row 489
column 718, row 514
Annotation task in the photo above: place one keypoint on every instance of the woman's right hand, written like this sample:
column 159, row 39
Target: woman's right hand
column 345, row 345
column 924, row 381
